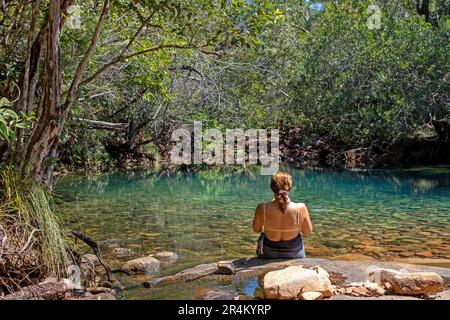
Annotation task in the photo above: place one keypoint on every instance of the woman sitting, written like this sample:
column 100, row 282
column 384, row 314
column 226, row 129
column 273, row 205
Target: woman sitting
column 280, row 222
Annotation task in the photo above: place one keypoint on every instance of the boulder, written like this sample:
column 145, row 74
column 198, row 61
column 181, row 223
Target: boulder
column 145, row 265
column 90, row 258
column 166, row 257
column 420, row 283
column 411, row 283
column 226, row 268
column 289, row 283
column 311, row 296
column 121, row 253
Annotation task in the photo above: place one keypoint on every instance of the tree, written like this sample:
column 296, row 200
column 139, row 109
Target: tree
column 367, row 85
column 148, row 28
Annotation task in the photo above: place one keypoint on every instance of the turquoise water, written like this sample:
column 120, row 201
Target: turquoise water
column 207, row 216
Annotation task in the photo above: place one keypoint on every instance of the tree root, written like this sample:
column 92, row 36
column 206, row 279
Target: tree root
column 94, row 246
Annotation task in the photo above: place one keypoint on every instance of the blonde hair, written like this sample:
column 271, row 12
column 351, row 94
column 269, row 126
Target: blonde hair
column 281, row 184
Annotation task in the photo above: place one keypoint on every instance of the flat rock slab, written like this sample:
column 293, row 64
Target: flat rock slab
column 346, row 297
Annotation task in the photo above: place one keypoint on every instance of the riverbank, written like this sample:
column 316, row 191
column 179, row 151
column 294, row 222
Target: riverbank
column 344, row 275
column 297, row 148
column 226, row 280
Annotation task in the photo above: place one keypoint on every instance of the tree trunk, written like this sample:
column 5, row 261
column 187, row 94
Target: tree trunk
column 50, row 115
column 442, row 128
column 37, row 157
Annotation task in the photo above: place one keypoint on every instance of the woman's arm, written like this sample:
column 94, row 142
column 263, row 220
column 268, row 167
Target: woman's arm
column 258, row 218
column 307, row 227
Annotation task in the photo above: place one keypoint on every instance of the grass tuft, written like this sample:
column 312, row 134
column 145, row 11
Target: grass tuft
column 33, row 244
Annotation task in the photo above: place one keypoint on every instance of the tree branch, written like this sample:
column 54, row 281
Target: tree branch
column 132, row 55
column 85, row 60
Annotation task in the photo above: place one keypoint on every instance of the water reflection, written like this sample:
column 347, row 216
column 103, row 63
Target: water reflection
column 207, row 216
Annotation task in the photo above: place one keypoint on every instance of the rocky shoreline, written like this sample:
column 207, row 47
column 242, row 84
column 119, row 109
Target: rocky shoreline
column 297, row 279
column 347, row 279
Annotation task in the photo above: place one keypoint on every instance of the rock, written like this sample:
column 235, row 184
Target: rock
column 366, row 289
column 420, row 283
column 424, row 254
column 321, row 272
column 406, row 254
column 90, row 258
column 166, row 257
column 311, row 296
column 111, row 243
column 374, row 288
column 217, row 295
column 414, row 283
column 145, row 265
column 121, row 253
column 289, row 283
column 98, row 290
column 360, row 291
column 321, row 251
column 374, row 249
column 189, row 274
column 101, row 296
column 367, row 242
column 227, row 268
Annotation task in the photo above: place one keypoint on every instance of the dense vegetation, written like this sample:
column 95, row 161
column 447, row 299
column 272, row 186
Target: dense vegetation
column 96, row 83
column 141, row 68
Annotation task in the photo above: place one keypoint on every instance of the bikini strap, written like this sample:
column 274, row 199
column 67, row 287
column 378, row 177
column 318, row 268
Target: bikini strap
column 264, row 217
column 298, row 215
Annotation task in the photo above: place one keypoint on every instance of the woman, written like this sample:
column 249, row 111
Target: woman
column 280, row 222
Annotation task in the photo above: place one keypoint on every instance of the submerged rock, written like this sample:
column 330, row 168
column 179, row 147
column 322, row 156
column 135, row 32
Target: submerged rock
column 90, row 258
column 406, row 254
column 166, row 257
column 424, row 254
column 145, row 265
column 291, row 282
column 216, row 295
column 122, row 253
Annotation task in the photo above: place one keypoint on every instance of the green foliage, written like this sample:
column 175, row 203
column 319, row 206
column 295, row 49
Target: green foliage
column 362, row 84
column 10, row 121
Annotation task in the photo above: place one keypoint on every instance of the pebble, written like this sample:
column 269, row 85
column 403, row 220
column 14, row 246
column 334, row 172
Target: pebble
column 311, row 296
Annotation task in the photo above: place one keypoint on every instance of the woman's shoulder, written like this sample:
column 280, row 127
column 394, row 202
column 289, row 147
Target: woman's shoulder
column 298, row 204
column 261, row 206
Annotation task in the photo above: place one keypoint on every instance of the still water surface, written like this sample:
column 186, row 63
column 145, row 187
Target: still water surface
column 206, row 216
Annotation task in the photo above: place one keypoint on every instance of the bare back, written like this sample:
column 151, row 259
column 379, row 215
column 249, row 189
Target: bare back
column 279, row 226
